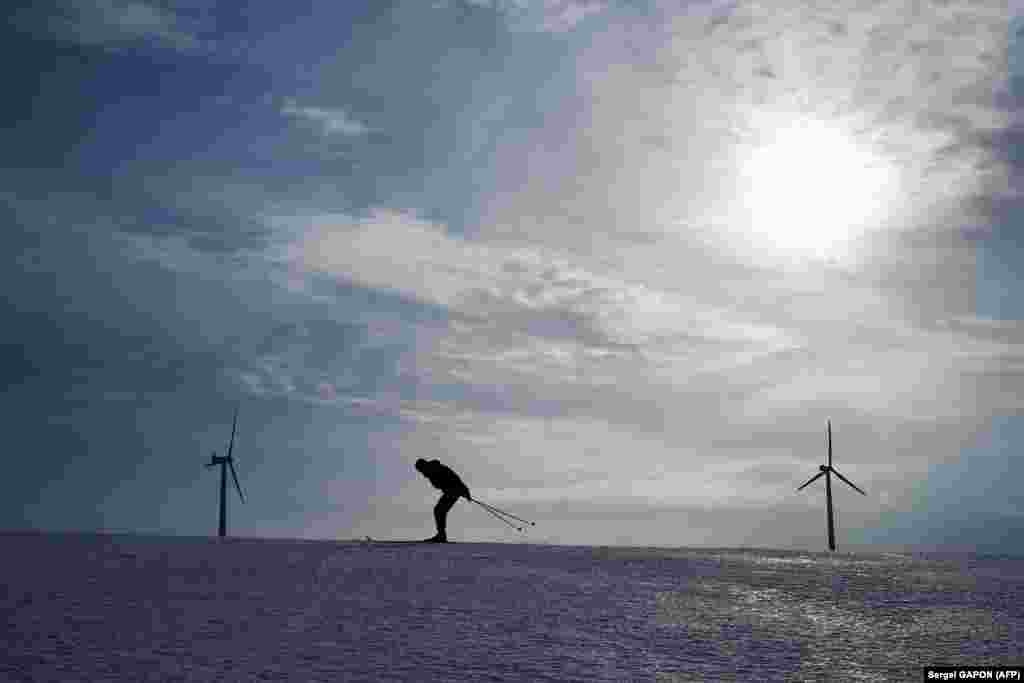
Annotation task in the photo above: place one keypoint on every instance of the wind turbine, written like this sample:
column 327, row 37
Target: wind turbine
column 827, row 471
column 225, row 462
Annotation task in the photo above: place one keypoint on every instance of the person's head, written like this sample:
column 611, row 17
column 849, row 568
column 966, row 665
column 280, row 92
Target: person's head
column 420, row 464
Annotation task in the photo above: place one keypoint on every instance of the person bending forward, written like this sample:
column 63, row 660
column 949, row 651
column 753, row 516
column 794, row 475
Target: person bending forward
column 452, row 488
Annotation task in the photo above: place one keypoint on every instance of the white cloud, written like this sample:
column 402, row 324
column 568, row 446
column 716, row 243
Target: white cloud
column 576, row 386
column 550, row 16
column 563, row 15
column 328, row 121
column 542, row 292
column 116, row 23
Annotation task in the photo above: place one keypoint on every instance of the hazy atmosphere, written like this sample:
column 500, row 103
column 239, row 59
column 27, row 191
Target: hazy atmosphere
column 616, row 263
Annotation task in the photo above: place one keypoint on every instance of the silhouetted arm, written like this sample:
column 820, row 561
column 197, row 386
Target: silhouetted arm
column 462, row 485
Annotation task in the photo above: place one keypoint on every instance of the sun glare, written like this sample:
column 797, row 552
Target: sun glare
column 811, row 189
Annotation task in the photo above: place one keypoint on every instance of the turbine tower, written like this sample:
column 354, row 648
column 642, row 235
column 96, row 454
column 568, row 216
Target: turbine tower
column 827, row 471
column 225, row 462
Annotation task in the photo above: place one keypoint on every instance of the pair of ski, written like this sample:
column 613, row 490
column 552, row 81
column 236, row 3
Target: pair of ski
column 380, row 541
column 506, row 517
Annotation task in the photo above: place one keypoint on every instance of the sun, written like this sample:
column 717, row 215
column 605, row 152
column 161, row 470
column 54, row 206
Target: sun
column 809, row 188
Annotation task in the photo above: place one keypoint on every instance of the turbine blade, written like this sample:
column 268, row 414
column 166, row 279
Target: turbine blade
column 819, row 474
column 235, row 475
column 234, row 424
column 830, row 443
column 836, row 472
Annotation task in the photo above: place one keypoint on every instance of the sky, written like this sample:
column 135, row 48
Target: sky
column 617, row 263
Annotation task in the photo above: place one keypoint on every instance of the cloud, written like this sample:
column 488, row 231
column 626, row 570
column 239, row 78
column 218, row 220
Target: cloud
column 328, row 121
column 327, row 391
column 537, row 324
column 548, row 16
column 612, row 328
column 615, row 327
column 120, row 23
column 564, row 15
column 665, row 115
column 533, row 335
column 600, row 294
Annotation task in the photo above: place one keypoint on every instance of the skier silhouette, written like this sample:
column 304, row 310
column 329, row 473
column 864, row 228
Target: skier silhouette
column 452, row 488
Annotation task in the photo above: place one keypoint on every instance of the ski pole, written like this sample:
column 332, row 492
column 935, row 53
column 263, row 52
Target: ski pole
column 507, row 514
column 500, row 517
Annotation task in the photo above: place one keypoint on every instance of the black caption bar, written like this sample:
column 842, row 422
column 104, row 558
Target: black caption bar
column 974, row 673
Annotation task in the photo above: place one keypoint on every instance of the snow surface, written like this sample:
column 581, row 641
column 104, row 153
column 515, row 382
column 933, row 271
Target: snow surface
column 89, row 607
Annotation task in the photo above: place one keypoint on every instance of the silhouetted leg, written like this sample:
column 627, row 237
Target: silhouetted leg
column 441, row 513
